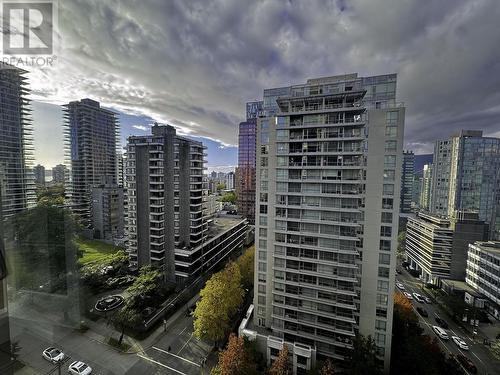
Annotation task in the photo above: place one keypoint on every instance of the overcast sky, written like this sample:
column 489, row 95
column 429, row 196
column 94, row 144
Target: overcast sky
column 194, row 64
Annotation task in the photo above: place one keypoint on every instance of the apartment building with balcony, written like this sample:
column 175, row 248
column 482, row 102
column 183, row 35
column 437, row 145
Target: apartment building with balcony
column 483, row 273
column 91, row 138
column 39, row 174
column 329, row 158
column 108, row 216
column 168, row 221
column 16, row 141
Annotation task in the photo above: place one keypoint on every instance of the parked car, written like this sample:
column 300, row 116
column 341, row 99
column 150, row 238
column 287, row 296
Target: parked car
column 53, row 355
column 467, row 363
column 442, row 323
column 460, row 342
column 79, row 368
column 408, row 295
column 440, row 332
column 422, row 312
column 400, row 285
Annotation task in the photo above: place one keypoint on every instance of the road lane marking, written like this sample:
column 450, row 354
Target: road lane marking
column 176, row 356
column 187, row 342
column 161, row 364
column 474, row 354
column 181, row 332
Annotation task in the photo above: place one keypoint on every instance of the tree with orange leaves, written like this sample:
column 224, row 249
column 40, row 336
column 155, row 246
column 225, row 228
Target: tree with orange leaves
column 281, row 365
column 235, row 359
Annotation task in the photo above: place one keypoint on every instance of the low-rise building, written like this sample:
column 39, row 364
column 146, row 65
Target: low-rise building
column 108, row 212
column 483, row 273
column 437, row 246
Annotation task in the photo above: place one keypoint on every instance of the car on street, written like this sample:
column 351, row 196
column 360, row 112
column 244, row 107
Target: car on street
column 460, row 342
column 79, row 368
column 408, row 295
column 400, row 285
column 440, row 332
column 418, row 297
column 422, row 312
column 467, row 363
column 53, row 355
column 441, row 322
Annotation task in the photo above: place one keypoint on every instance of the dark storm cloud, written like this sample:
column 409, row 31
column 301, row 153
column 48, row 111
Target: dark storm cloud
column 195, row 63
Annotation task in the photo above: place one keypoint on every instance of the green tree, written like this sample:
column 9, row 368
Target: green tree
column 43, row 249
column 281, row 365
column 229, row 197
column 236, row 359
column 219, row 301
column 246, row 264
column 401, row 242
column 148, row 289
column 220, row 186
column 50, row 195
column 127, row 316
column 363, row 357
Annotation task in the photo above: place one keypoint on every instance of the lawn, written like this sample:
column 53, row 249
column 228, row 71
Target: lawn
column 95, row 251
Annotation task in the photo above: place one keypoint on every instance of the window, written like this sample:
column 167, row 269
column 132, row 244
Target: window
column 263, row 197
column 387, row 217
column 385, row 231
column 263, row 161
column 262, row 278
column 381, row 312
column 391, row 131
column 387, row 203
column 262, row 267
column 383, row 272
column 382, row 299
column 262, row 300
column 391, row 146
column 383, row 286
column 379, row 339
column 381, row 325
column 390, row 161
column 388, row 189
column 262, row 289
column 385, row 245
column 262, row 255
column 389, row 174
column 263, row 209
column 263, row 244
column 384, row 258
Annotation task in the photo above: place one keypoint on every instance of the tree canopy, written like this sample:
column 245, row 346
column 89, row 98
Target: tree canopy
column 246, row 264
column 363, row 358
column 281, row 365
column 236, row 359
column 219, row 301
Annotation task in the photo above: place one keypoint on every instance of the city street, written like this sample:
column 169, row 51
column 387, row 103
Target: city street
column 176, row 352
column 480, row 355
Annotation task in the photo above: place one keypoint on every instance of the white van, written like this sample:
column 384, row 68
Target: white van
column 440, row 332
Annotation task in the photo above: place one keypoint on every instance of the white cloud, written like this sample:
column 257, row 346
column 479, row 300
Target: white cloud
column 140, row 127
column 194, row 64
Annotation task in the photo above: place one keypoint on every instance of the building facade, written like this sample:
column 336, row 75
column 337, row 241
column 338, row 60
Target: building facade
column 245, row 173
column 467, row 177
column 108, row 212
column 16, row 142
column 426, row 188
column 59, row 174
column 407, row 175
column 483, row 273
column 329, row 157
column 91, row 137
column 39, row 174
column 437, row 246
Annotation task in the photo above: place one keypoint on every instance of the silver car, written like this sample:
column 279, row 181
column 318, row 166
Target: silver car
column 460, row 342
column 53, row 355
column 79, row 368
